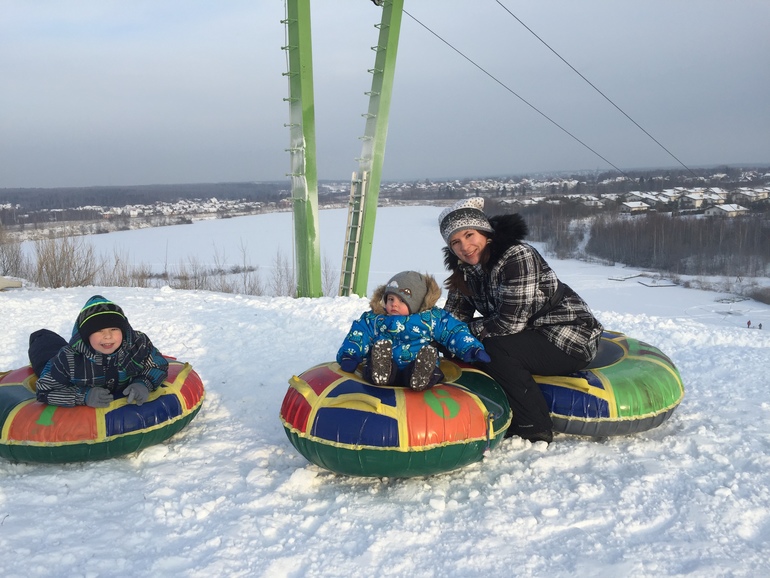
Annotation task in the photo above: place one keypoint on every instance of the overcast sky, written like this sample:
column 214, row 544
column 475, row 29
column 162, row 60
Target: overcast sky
column 102, row 92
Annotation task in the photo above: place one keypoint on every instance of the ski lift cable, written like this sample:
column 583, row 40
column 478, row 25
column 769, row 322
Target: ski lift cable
column 592, row 85
column 522, row 99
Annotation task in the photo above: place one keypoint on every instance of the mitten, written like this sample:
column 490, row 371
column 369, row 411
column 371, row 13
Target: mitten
column 475, row 355
column 137, row 393
column 349, row 363
column 98, row 397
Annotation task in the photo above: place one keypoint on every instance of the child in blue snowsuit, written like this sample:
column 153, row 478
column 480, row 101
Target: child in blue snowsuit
column 396, row 336
column 104, row 359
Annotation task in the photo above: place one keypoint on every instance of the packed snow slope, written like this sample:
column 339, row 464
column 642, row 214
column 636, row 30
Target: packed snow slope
column 229, row 495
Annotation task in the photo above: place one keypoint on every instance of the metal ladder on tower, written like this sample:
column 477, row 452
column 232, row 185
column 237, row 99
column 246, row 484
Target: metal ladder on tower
column 352, row 247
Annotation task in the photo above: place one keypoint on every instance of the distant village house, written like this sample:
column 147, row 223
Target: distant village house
column 725, row 211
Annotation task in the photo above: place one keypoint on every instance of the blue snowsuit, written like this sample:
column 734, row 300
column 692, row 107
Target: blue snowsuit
column 409, row 333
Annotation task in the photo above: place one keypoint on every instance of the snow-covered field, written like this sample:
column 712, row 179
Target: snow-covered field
column 230, row 496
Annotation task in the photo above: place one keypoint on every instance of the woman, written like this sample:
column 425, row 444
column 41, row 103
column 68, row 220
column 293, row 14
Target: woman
column 530, row 322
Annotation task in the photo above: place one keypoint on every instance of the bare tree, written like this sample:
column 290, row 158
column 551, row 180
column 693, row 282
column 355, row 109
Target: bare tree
column 12, row 259
column 282, row 282
column 66, row 262
column 330, row 278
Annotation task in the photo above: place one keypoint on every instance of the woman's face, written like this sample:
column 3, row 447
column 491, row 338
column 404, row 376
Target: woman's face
column 468, row 245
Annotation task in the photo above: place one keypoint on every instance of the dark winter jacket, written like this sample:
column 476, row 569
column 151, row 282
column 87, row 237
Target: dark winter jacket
column 514, row 289
column 408, row 333
column 67, row 378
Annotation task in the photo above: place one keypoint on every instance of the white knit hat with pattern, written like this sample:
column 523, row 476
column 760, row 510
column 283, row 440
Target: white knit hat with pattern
column 464, row 214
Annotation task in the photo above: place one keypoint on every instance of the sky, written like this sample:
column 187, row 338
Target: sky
column 230, row 496
column 99, row 92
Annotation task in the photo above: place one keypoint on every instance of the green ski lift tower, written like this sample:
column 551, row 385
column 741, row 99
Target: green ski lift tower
column 365, row 184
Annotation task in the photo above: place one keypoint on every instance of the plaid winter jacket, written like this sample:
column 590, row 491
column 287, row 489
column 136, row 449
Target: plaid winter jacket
column 514, row 289
column 66, row 379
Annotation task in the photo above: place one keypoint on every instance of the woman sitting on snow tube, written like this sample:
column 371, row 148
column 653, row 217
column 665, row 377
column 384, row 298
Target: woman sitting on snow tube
column 530, row 323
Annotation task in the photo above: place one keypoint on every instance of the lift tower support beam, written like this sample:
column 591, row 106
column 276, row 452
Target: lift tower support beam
column 355, row 270
column 304, row 172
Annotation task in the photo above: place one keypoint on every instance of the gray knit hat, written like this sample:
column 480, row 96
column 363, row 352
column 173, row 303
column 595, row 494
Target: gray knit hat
column 410, row 287
column 464, row 214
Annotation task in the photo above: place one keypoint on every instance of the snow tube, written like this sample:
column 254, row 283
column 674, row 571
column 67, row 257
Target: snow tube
column 341, row 423
column 630, row 387
column 36, row 432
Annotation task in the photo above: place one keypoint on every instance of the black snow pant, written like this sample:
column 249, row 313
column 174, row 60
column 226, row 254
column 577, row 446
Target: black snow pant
column 515, row 358
column 43, row 346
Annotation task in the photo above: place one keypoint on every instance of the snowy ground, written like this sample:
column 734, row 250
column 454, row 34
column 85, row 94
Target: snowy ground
column 230, row 496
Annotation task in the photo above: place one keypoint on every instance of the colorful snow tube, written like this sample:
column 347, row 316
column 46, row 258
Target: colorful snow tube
column 630, row 387
column 344, row 424
column 37, row 432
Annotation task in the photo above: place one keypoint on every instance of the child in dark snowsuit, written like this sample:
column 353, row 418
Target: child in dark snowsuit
column 396, row 335
column 104, row 359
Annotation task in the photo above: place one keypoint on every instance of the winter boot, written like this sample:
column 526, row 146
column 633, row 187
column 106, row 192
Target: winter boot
column 381, row 362
column 541, row 436
column 423, row 368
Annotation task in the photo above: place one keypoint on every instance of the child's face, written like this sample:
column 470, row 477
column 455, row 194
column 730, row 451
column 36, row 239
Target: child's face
column 106, row 340
column 395, row 306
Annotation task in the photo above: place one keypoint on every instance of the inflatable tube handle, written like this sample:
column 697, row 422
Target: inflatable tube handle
column 302, row 387
column 351, row 400
column 355, row 399
column 579, row 384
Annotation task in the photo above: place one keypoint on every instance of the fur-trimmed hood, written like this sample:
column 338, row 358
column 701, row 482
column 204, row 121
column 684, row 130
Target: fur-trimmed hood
column 509, row 230
column 377, row 303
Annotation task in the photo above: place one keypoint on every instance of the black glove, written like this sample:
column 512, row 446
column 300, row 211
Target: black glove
column 349, row 363
column 98, row 397
column 137, row 393
column 475, row 355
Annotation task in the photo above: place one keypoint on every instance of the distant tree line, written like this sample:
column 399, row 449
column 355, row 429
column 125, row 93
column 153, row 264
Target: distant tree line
column 676, row 245
column 586, row 182
column 590, row 183
column 562, row 226
column 30, row 200
column 694, row 246
column 685, row 246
